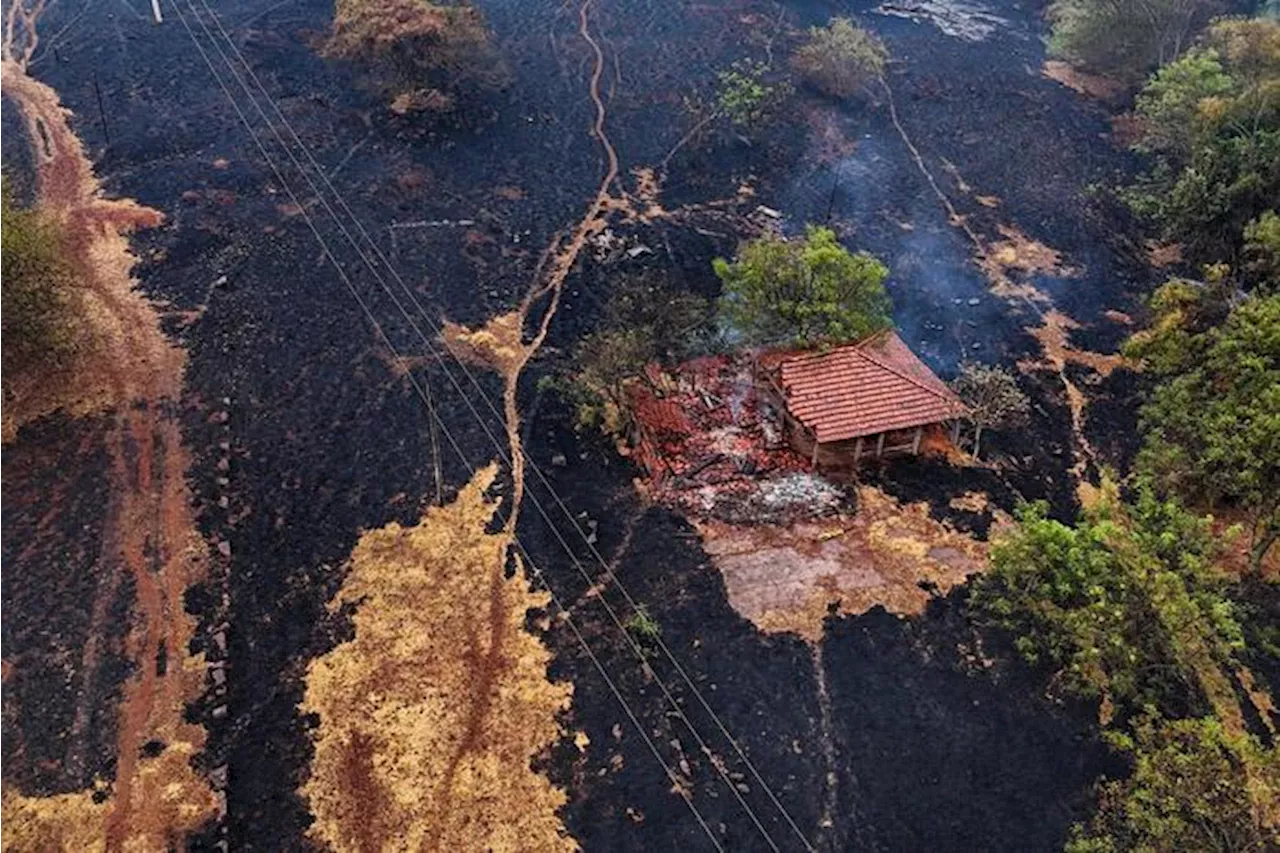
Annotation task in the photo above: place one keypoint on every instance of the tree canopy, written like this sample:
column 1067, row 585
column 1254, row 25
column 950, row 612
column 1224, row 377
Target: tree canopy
column 1211, row 122
column 1212, row 423
column 993, row 397
column 1125, row 39
column 803, row 291
column 1194, row 786
column 840, row 59
column 1123, row 607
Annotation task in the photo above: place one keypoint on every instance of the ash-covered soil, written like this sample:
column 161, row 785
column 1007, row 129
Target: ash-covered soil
column 304, row 432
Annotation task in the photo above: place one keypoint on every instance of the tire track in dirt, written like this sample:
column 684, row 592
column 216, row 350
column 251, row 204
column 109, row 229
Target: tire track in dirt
column 150, row 537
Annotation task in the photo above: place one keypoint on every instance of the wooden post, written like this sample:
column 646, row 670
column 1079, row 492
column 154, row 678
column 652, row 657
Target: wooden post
column 879, row 445
column 815, row 451
column 915, row 442
column 955, row 433
column 857, row 450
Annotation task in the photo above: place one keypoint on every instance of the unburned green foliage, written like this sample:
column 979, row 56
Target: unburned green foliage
column 1211, row 123
column 993, row 397
column 1211, row 426
column 746, row 97
column 1194, row 786
column 40, row 305
column 1262, row 251
column 1122, row 607
column 1125, row 39
column 840, row 59
column 803, row 291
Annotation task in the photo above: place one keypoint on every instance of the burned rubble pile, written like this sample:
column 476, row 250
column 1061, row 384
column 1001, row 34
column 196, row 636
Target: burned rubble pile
column 713, row 448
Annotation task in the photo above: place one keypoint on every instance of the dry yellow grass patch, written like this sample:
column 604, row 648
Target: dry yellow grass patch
column 63, row 822
column 1015, row 251
column 430, row 717
column 497, row 345
column 1090, row 85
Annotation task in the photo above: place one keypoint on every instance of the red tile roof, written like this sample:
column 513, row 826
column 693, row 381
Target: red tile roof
column 863, row 389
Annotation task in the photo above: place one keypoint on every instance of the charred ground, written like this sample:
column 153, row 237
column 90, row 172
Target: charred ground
column 304, row 433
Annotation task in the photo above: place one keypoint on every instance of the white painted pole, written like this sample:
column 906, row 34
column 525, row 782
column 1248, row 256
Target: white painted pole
column 155, row 11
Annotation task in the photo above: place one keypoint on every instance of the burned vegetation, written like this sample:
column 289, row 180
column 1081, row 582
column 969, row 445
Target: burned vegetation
column 420, row 57
column 699, row 426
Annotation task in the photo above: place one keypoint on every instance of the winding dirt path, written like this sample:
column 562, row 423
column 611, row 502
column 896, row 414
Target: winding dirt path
column 150, row 537
column 1051, row 334
column 500, row 343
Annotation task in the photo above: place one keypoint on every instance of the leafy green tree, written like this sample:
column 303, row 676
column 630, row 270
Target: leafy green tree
column 1123, row 607
column 1211, row 122
column 993, row 397
column 1125, row 39
column 840, row 59
column 1212, row 423
column 1262, row 250
column 40, row 304
column 1194, row 786
column 803, row 291
column 1173, row 106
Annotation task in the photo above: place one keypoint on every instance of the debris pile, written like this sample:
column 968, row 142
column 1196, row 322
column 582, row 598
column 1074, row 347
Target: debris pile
column 714, row 449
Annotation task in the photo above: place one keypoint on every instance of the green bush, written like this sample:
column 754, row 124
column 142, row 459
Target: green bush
column 1211, row 426
column 1211, row 123
column 1194, row 786
column 40, row 307
column 1123, row 607
column 840, row 59
column 746, row 97
column 1125, row 39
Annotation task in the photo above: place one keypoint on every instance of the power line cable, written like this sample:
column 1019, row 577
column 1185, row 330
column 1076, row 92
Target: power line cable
column 408, row 292
column 671, row 775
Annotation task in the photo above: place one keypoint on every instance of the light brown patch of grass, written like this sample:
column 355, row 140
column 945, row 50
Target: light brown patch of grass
column 1090, row 85
column 787, row 578
column 497, row 345
column 63, row 822
column 430, row 717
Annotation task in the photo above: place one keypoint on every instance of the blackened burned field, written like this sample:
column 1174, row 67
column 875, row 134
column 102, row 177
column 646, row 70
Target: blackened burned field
column 305, row 430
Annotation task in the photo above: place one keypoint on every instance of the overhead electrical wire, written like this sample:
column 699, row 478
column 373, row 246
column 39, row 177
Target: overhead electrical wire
column 408, row 292
column 527, row 558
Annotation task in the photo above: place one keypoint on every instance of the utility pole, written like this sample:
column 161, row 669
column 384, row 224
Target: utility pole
column 831, row 201
column 102, row 112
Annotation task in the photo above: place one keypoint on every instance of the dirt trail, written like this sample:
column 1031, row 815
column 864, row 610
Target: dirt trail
column 150, row 537
column 500, row 344
column 1015, row 251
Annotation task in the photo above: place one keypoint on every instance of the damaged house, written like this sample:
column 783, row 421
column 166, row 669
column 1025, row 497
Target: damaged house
column 716, row 431
column 868, row 399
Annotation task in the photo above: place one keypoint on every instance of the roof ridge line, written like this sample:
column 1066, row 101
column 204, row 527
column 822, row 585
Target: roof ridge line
column 897, row 372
